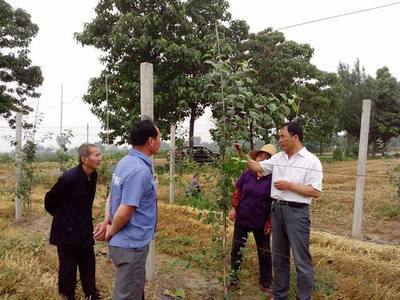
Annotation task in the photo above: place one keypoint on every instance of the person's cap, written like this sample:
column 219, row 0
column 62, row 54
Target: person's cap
column 269, row 148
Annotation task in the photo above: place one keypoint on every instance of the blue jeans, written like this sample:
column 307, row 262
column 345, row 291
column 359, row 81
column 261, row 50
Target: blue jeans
column 291, row 229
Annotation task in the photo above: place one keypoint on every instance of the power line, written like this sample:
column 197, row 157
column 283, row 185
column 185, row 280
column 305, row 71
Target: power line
column 65, row 103
column 66, row 126
column 338, row 16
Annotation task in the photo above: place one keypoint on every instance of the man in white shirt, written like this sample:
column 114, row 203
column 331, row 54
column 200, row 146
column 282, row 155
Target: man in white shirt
column 296, row 179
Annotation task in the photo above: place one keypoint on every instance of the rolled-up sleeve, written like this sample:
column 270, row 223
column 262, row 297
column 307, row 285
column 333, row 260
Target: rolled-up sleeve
column 267, row 166
column 314, row 175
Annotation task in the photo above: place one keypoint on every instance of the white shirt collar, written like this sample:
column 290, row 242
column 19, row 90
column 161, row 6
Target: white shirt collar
column 303, row 152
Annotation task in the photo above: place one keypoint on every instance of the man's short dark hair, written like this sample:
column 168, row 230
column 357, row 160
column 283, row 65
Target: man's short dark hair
column 142, row 131
column 84, row 150
column 294, row 128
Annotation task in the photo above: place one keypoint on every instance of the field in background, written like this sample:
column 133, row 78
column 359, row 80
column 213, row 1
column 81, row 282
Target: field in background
column 187, row 257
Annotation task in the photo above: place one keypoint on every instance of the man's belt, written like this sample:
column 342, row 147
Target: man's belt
column 290, row 203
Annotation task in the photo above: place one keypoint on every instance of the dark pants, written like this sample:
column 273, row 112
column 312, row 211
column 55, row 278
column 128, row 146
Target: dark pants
column 291, row 229
column 240, row 235
column 70, row 259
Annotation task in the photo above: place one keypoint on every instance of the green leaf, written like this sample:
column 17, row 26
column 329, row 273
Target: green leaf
column 180, row 293
column 272, row 107
column 284, row 96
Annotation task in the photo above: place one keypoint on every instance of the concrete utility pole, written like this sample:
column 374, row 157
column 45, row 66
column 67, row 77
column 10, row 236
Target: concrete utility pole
column 18, row 160
column 87, row 132
column 362, row 160
column 61, row 110
column 147, row 110
column 172, row 166
column 107, row 114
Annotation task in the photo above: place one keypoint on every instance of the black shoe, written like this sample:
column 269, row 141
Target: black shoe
column 265, row 287
column 233, row 282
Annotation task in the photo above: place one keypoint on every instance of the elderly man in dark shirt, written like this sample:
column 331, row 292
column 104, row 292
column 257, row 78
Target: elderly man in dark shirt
column 70, row 203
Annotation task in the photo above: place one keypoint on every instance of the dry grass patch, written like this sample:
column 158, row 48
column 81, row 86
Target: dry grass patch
column 27, row 269
column 333, row 211
column 367, row 271
column 344, row 268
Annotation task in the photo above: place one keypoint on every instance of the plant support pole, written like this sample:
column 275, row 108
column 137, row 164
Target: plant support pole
column 224, row 212
column 18, row 160
column 61, row 110
column 362, row 160
column 172, row 166
column 147, row 110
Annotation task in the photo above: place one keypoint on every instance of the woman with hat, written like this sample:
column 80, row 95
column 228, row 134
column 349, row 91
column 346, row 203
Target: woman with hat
column 251, row 210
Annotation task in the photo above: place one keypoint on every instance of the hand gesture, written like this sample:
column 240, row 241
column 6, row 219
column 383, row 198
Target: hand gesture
column 238, row 148
column 268, row 227
column 100, row 231
column 282, row 185
column 232, row 214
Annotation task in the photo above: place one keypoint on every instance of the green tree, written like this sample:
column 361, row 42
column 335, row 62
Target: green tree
column 190, row 85
column 385, row 120
column 320, row 112
column 283, row 66
column 236, row 106
column 172, row 35
column 18, row 78
column 357, row 85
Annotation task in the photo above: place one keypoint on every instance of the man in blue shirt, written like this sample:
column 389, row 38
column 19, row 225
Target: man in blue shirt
column 131, row 212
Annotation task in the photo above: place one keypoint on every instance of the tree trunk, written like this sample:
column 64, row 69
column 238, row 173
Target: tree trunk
column 374, row 148
column 251, row 141
column 321, row 148
column 349, row 146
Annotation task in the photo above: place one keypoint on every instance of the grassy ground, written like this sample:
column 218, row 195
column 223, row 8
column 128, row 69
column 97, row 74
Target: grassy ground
column 188, row 261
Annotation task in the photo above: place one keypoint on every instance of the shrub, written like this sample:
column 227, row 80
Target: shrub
column 391, row 212
column 199, row 202
column 338, row 154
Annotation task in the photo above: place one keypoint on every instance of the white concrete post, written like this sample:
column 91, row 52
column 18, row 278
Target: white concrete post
column 146, row 90
column 18, row 158
column 172, row 166
column 362, row 160
column 147, row 110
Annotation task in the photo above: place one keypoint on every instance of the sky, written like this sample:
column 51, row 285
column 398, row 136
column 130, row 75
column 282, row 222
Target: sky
column 369, row 36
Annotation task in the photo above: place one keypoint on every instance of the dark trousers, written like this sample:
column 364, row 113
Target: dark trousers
column 291, row 230
column 240, row 235
column 70, row 259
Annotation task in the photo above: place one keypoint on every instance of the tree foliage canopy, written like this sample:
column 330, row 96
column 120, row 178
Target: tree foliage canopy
column 173, row 35
column 18, row 78
column 383, row 91
column 265, row 74
column 386, row 107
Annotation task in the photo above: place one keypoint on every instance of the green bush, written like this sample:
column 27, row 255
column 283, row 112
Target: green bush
column 6, row 158
column 199, row 202
column 391, row 212
column 338, row 154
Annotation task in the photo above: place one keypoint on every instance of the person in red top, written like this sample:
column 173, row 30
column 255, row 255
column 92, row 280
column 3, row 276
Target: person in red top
column 251, row 211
